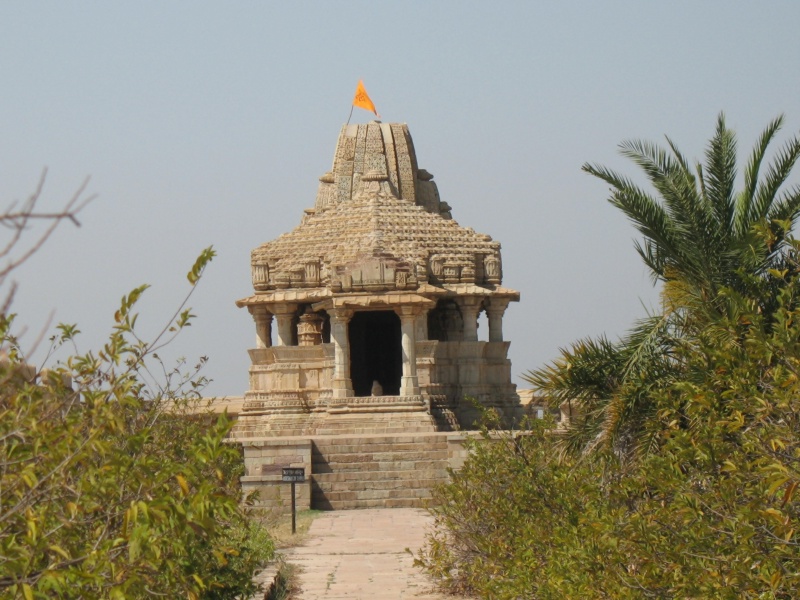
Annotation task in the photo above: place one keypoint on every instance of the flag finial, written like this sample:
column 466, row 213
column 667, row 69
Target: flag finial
column 362, row 99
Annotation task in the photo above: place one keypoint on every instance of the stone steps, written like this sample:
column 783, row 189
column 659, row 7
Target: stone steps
column 387, row 471
column 371, row 429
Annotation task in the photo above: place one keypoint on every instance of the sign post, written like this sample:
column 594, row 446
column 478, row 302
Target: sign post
column 293, row 475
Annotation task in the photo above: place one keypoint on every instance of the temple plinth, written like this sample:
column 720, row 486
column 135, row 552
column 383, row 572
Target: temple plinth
column 366, row 314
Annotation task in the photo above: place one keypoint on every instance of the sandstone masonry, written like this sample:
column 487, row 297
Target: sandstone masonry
column 366, row 328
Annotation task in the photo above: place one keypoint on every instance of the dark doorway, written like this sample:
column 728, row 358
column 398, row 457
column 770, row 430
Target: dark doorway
column 375, row 352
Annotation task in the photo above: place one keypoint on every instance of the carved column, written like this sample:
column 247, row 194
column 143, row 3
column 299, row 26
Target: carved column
column 422, row 326
column 409, row 384
column 263, row 321
column 284, row 314
column 470, row 307
column 495, row 312
column 309, row 330
column 342, row 385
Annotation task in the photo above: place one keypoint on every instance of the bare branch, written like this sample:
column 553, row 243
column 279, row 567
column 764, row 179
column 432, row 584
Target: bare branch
column 18, row 220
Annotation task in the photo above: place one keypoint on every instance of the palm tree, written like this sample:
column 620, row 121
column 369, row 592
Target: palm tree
column 703, row 240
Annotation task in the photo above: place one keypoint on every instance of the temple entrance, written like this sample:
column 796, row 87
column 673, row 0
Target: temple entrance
column 376, row 353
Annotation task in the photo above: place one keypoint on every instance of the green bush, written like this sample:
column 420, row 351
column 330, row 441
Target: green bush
column 109, row 487
column 712, row 512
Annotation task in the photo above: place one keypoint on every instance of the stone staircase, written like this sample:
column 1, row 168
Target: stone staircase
column 367, row 471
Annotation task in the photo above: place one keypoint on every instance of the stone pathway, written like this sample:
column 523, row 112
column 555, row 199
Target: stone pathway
column 361, row 554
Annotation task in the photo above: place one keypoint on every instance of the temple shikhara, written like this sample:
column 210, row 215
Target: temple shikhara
column 366, row 317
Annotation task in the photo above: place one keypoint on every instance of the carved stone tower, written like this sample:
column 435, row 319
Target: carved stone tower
column 366, row 313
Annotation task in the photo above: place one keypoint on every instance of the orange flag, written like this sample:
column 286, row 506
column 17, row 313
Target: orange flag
column 361, row 99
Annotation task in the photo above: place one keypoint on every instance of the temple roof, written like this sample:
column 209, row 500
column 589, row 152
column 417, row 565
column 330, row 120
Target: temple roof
column 378, row 225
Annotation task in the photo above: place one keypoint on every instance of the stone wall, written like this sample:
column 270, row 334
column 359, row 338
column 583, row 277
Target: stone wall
column 264, row 463
column 457, row 374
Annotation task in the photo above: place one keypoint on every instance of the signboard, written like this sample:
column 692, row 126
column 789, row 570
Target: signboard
column 292, row 474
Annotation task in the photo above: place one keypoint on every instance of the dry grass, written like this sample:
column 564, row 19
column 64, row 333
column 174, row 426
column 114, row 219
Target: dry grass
column 285, row 586
column 280, row 527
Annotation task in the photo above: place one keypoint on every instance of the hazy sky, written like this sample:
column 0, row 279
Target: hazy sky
column 206, row 123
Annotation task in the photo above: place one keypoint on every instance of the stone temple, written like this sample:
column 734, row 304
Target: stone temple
column 366, row 314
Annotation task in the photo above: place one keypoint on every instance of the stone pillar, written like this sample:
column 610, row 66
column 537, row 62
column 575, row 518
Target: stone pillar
column 470, row 307
column 422, row 326
column 263, row 321
column 409, row 384
column 309, row 330
column 495, row 312
column 342, row 385
column 284, row 314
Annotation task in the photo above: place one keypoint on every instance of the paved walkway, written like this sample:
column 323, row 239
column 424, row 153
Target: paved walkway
column 361, row 554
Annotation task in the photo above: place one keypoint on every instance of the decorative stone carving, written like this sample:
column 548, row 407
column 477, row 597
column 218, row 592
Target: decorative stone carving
column 437, row 266
column 260, row 276
column 379, row 238
column 451, row 272
column 401, row 279
column 307, row 213
column 309, row 330
column 480, row 268
column 312, row 273
column 468, row 274
column 296, row 277
column 491, row 265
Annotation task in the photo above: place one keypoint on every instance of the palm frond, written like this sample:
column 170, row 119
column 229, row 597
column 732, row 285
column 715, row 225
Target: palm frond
column 649, row 251
column 786, row 209
column 664, row 173
column 646, row 214
column 769, row 188
column 586, row 375
column 746, row 199
column 723, row 257
column 676, row 185
column 647, row 343
column 586, row 371
column 721, row 174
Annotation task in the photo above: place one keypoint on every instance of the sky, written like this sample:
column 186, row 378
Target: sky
column 208, row 123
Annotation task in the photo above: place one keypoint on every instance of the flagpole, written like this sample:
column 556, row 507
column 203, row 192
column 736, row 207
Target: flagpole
column 351, row 115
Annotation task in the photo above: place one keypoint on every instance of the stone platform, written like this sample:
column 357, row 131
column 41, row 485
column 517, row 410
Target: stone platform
column 352, row 471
